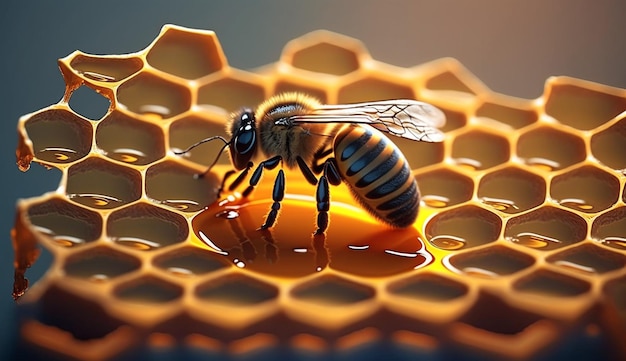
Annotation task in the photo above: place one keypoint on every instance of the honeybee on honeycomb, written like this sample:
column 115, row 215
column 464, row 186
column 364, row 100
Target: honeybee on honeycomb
column 330, row 144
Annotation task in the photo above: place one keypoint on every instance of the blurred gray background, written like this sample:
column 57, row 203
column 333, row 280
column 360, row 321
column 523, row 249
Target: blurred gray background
column 511, row 46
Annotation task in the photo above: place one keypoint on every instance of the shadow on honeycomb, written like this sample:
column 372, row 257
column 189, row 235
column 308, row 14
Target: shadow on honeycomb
column 519, row 251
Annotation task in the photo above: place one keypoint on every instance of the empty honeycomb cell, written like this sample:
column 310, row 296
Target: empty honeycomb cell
column 149, row 95
column 587, row 189
column 145, row 227
column 548, row 283
column 490, row 262
column 148, row 290
column 428, row 287
column 231, row 94
column 186, row 54
column 615, row 290
column 320, row 53
column 610, row 228
column 581, row 105
column 105, row 69
column 100, row 264
column 129, row 140
column 100, row 184
column 332, row 290
column 503, row 318
column 420, row 154
column 478, row 150
column 89, row 103
column 186, row 131
column 449, row 84
column 65, row 223
column 58, row 135
column 454, row 120
column 189, row 261
column 588, row 259
column 550, row 149
column 609, row 145
column 512, row 190
column 67, row 311
column 444, row 188
column 177, row 186
column 286, row 86
column 546, row 228
column 464, row 227
column 516, row 116
column 373, row 88
column 236, row 290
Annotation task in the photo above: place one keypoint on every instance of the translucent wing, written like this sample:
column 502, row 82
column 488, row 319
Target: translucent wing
column 404, row 118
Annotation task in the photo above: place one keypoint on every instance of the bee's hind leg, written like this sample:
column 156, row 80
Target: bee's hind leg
column 322, row 194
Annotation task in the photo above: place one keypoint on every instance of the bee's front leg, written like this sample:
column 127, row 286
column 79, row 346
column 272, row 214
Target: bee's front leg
column 278, row 193
column 279, row 187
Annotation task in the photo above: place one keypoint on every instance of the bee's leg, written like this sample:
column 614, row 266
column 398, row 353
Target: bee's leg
column 224, row 179
column 306, row 171
column 258, row 172
column 319, row 155
column 279, row 187
column 322, row 195
column 240, row 178
column 278, row 193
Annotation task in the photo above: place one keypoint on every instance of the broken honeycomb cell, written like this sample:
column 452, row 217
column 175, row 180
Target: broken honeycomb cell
column 519, row 250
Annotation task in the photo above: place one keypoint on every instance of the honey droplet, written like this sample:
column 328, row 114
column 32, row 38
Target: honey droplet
column 615, row 242
column 93, row 199
column 534, row 240
column 136, row 243
column 179, row 271
column 99, row 278
column 479, row 272
column 469, row 163
column 436, row 201
column 575, row 267
column 67, row 241
column 448, row 242
column 180, row 204
column 503, row 205
column 58, row 153
column 97, row 76
column 576, row 203
column 154, row 111
column 542, row 163
column 128, row 155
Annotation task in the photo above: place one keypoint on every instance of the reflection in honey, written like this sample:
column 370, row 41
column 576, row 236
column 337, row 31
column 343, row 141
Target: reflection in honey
column 354, row 242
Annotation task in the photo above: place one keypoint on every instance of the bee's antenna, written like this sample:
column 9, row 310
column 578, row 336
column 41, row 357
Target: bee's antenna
column 206, row 140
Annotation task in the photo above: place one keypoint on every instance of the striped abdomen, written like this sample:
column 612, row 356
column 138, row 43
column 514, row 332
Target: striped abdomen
column 378, row 175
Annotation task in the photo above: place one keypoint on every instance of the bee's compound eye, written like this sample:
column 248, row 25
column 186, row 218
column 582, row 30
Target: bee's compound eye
column 243, row 144
column 245, row 140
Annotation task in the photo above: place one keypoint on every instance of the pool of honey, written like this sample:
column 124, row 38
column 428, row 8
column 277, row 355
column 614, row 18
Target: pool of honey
column 354, row 243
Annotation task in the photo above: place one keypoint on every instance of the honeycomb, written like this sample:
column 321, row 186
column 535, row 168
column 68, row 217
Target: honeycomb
column 518, row 252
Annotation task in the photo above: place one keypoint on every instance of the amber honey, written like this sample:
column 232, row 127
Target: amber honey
column 519, row 250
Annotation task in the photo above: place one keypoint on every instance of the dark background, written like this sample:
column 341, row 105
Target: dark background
column 511, row 46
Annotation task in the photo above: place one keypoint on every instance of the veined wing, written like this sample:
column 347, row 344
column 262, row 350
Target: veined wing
column 404, row 118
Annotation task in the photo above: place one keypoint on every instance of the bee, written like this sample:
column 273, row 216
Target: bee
column 331, row 144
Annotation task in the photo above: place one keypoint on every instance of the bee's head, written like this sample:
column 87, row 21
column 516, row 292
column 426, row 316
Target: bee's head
column 243, row 138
